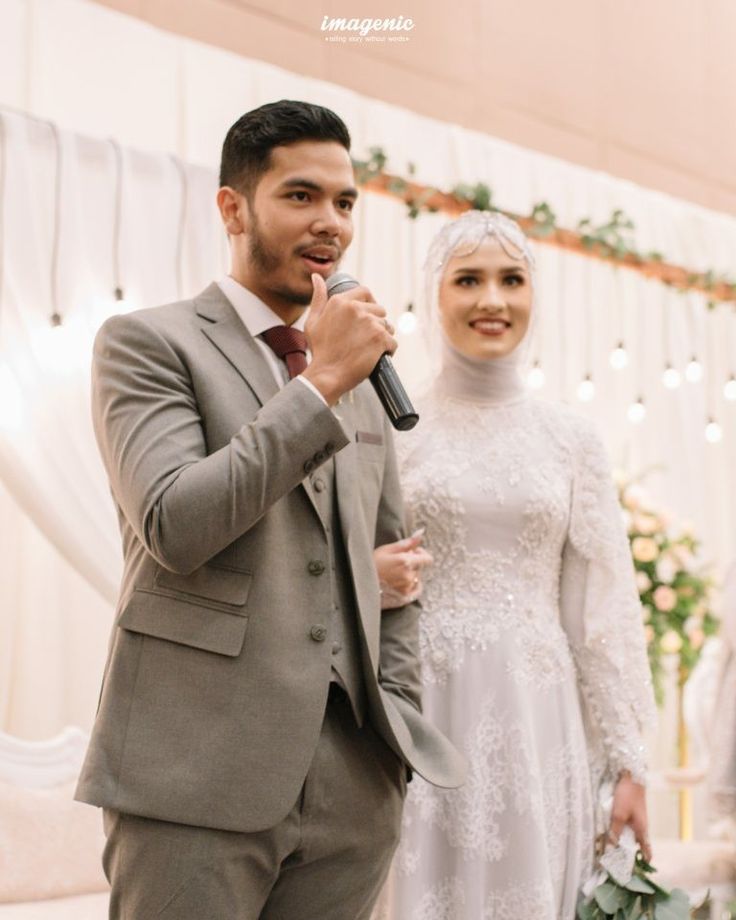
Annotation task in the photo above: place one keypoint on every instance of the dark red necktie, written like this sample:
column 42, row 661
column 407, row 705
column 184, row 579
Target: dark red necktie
column 290, row 345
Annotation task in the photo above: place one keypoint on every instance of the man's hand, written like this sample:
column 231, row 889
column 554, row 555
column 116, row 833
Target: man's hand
column 347, row 334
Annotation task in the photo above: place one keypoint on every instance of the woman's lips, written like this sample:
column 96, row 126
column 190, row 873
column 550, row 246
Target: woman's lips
column 490, row 327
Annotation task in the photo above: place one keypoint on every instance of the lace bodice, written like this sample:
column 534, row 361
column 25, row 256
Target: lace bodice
column 523, row 522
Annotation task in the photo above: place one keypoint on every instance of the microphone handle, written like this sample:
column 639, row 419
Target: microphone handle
column 392, row 394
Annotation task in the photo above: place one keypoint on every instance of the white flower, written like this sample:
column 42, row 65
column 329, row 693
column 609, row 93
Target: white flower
column 671, row 642
column 666, row 570
column 643, row 582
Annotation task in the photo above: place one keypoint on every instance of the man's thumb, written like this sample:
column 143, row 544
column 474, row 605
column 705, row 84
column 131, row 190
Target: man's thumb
column 319, row 296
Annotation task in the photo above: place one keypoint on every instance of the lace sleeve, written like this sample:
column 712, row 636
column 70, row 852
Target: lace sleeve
column 601, row 613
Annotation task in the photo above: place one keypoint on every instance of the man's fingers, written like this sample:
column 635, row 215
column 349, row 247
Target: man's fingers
column 319, row 296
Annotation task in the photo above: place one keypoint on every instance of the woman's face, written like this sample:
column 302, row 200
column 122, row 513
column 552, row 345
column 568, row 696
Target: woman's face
column 485, row 301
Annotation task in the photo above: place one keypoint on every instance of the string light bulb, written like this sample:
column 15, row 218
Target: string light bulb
column 619, row 357
column 671, row 377
column 729, row 390
column 407, row 322
column 536, row 378
column 694, row 370
column 586, row 389
column 637, row 411
column 713, row 431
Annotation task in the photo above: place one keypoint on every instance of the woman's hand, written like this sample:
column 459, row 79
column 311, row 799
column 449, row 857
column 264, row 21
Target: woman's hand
column 399, row 568
column 630, row 807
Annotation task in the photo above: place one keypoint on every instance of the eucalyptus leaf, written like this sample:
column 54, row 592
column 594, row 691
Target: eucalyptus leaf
column 610, row 897
column 676, row 907
column 587, row 910
column 636, row 883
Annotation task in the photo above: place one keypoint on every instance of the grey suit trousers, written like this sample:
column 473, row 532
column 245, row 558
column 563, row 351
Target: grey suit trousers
column 327, row 860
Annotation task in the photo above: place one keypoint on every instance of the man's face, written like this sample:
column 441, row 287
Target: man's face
column 298, row 221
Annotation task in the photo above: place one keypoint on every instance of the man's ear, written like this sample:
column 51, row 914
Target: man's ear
column 233, row 210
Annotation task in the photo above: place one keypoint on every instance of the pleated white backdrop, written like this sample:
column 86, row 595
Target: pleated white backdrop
column 167, row 102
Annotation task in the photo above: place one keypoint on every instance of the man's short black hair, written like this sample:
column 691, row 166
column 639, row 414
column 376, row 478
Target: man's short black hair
column 246, row 153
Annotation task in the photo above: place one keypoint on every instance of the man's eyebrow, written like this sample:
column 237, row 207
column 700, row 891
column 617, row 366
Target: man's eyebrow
column 298, row 182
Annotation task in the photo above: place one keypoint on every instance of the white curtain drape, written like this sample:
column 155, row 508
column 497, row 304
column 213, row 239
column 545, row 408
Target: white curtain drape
column 60, row 252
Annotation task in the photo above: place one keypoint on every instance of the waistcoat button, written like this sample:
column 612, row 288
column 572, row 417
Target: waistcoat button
column 316, row 567
column 318, row 633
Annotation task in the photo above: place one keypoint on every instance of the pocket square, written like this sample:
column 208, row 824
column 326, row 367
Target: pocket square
column 367, row 437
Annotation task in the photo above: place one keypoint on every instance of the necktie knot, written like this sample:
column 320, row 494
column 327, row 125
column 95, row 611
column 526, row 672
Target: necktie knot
column 290, row 345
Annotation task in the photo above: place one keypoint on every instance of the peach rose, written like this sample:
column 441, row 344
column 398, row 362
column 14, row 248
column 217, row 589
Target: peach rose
column 671, row 642
column 646, row 523
column 665, row 598
column 644, row 549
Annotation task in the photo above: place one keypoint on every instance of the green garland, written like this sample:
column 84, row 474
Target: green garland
column 612, row 239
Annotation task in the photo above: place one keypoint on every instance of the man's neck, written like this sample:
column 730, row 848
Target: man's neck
column 287, row 312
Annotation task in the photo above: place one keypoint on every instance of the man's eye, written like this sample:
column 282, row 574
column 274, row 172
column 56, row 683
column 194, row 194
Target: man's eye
column 299, row 196
column 346, row 204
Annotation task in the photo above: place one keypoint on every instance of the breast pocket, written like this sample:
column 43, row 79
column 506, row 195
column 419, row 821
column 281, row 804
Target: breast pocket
column 204, row 610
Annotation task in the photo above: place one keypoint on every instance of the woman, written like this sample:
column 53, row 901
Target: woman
column 531, row 639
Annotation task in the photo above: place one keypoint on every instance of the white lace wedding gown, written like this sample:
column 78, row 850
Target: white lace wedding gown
column 532, row 655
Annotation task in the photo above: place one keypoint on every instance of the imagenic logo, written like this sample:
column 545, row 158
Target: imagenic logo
column 367, row 30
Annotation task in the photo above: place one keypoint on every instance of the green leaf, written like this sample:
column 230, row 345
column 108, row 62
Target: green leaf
column 676, row 907
column 636, row 911
column 610, row 897
column 587, row 910
column 636, row 883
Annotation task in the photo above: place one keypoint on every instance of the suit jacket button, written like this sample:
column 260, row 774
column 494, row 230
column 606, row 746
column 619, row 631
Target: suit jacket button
column 320, row 456
column 316, row 567
column 318, row 633
column 329, row 447
column 309, row 466
column 319, row 485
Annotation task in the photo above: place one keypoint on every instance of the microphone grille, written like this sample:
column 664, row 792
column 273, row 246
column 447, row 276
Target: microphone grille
column 340, row 282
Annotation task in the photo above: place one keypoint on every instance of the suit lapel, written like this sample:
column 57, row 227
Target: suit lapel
column 228, row 334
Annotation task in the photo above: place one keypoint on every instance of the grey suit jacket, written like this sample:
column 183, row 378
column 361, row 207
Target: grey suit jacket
column 215, row 687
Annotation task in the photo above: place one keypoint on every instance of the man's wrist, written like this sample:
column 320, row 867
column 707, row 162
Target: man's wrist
column 324, row 381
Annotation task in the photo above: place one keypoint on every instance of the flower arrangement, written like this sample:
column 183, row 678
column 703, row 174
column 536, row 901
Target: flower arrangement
column 633, row 896
column 674, row 590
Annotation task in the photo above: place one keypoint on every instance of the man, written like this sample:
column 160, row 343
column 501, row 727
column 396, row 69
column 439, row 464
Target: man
column 257, row 717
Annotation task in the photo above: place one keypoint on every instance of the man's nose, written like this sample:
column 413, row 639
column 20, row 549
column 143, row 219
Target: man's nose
column 326, row 222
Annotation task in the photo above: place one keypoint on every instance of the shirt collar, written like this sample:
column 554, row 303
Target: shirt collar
column 253, row 312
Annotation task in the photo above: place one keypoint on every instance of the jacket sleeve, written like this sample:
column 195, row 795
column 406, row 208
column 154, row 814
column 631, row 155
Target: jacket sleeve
column 184, row 505
column 399, row 654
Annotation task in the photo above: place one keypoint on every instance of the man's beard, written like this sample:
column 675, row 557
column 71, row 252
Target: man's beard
column 267, row 261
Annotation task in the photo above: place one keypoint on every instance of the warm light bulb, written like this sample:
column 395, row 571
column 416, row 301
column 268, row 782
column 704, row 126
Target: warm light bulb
column 729, row 390
column 713, row 432
column 637, row 412
column 586, row 389
column 407, row 322
column 694, row 370
column 671, row 377
column 536, row 377
column 619, row 357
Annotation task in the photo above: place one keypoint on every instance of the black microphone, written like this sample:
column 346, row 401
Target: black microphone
column 384, row 378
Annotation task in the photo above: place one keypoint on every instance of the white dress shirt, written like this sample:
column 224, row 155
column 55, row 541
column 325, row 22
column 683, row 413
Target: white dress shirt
column 257, row 318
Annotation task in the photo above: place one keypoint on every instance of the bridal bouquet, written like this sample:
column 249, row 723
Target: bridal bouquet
column 623, row 889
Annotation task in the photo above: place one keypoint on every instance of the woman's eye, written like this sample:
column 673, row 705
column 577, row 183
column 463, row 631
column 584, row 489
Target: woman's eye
column 514, row 280
column 466, row 281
